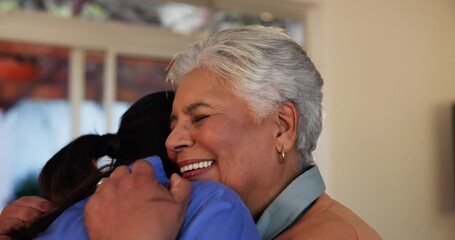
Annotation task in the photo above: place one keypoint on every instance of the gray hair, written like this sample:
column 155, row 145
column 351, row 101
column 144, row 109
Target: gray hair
column 265, row 67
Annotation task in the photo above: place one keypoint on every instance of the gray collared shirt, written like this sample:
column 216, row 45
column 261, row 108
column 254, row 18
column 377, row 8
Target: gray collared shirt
column 292, row 202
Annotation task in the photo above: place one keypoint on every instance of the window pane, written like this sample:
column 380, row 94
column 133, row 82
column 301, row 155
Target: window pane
column 138, row 77
column 36, row 118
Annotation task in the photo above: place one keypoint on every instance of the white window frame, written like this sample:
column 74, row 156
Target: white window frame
column 82, row 35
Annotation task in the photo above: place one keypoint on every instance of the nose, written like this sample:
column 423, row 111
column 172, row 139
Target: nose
column 179, row 139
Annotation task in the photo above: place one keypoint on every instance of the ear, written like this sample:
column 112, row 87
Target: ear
column 287, row 126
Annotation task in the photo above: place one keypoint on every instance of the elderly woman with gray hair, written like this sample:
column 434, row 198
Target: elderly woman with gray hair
column 247, row 113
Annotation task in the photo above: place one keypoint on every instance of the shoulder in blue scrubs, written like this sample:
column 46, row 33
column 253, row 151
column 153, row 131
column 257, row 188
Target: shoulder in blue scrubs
column 215, row 212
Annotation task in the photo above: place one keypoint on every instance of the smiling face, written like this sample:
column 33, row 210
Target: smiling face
column 215, row 138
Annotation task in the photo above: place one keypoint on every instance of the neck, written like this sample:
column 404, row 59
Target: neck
column 290, row 170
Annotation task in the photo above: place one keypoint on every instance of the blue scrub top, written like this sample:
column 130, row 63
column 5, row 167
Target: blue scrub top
column 214, row 212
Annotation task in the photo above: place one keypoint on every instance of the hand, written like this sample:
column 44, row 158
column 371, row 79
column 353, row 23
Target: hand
column 21, row 213
column 134, row 204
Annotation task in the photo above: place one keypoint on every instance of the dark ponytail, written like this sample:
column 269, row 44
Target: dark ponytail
column 72, row 173
column 111, row 144
column 70, row 169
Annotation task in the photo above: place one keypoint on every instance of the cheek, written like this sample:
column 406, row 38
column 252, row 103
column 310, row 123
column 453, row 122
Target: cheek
column 171, row 154
column 218, row 133
column 214, row 137
column 223, row 139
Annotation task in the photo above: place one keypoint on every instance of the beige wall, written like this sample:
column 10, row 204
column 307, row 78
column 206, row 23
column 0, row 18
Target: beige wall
column 389, row 68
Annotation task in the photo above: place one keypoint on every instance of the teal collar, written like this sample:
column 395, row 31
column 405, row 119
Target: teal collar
column 291, row 203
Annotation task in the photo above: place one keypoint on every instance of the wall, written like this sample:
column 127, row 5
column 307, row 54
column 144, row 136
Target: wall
column 389, row 71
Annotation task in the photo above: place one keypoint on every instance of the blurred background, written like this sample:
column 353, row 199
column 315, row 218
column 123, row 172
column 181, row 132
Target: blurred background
column 387, row 149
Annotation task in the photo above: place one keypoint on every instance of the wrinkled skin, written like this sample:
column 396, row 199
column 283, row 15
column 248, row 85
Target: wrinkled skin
column 21, row 213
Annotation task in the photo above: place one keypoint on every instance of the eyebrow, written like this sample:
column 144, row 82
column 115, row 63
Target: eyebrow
column 192, row 107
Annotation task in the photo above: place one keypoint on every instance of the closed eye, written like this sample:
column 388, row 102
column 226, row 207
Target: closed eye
column 199, row 118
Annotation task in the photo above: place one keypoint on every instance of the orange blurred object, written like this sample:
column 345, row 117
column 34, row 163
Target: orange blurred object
column 12, row 70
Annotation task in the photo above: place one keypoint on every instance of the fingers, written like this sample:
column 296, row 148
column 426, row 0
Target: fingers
column 180, row 188
column 27, row 208
column 136, row 204
column 3, row 237
column 38, row 203
column 140, row 167
column 122, row 175
column 119, row 172
column 143, row 167
column 23, row 212
column 8, row 225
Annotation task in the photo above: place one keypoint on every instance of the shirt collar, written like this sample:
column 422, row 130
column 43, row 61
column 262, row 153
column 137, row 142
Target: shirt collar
column 291, row 203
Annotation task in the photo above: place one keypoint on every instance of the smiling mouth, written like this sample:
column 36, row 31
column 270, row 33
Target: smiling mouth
column 195, row 166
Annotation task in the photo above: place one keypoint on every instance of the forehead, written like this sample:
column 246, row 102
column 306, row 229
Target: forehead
column 201, row 85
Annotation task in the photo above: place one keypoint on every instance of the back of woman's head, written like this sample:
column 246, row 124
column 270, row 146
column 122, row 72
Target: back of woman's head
column 265, row 67
column 143, row 130
column 72, row 173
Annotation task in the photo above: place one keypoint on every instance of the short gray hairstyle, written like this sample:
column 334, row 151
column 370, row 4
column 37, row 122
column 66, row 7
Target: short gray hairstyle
column 265, row 67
